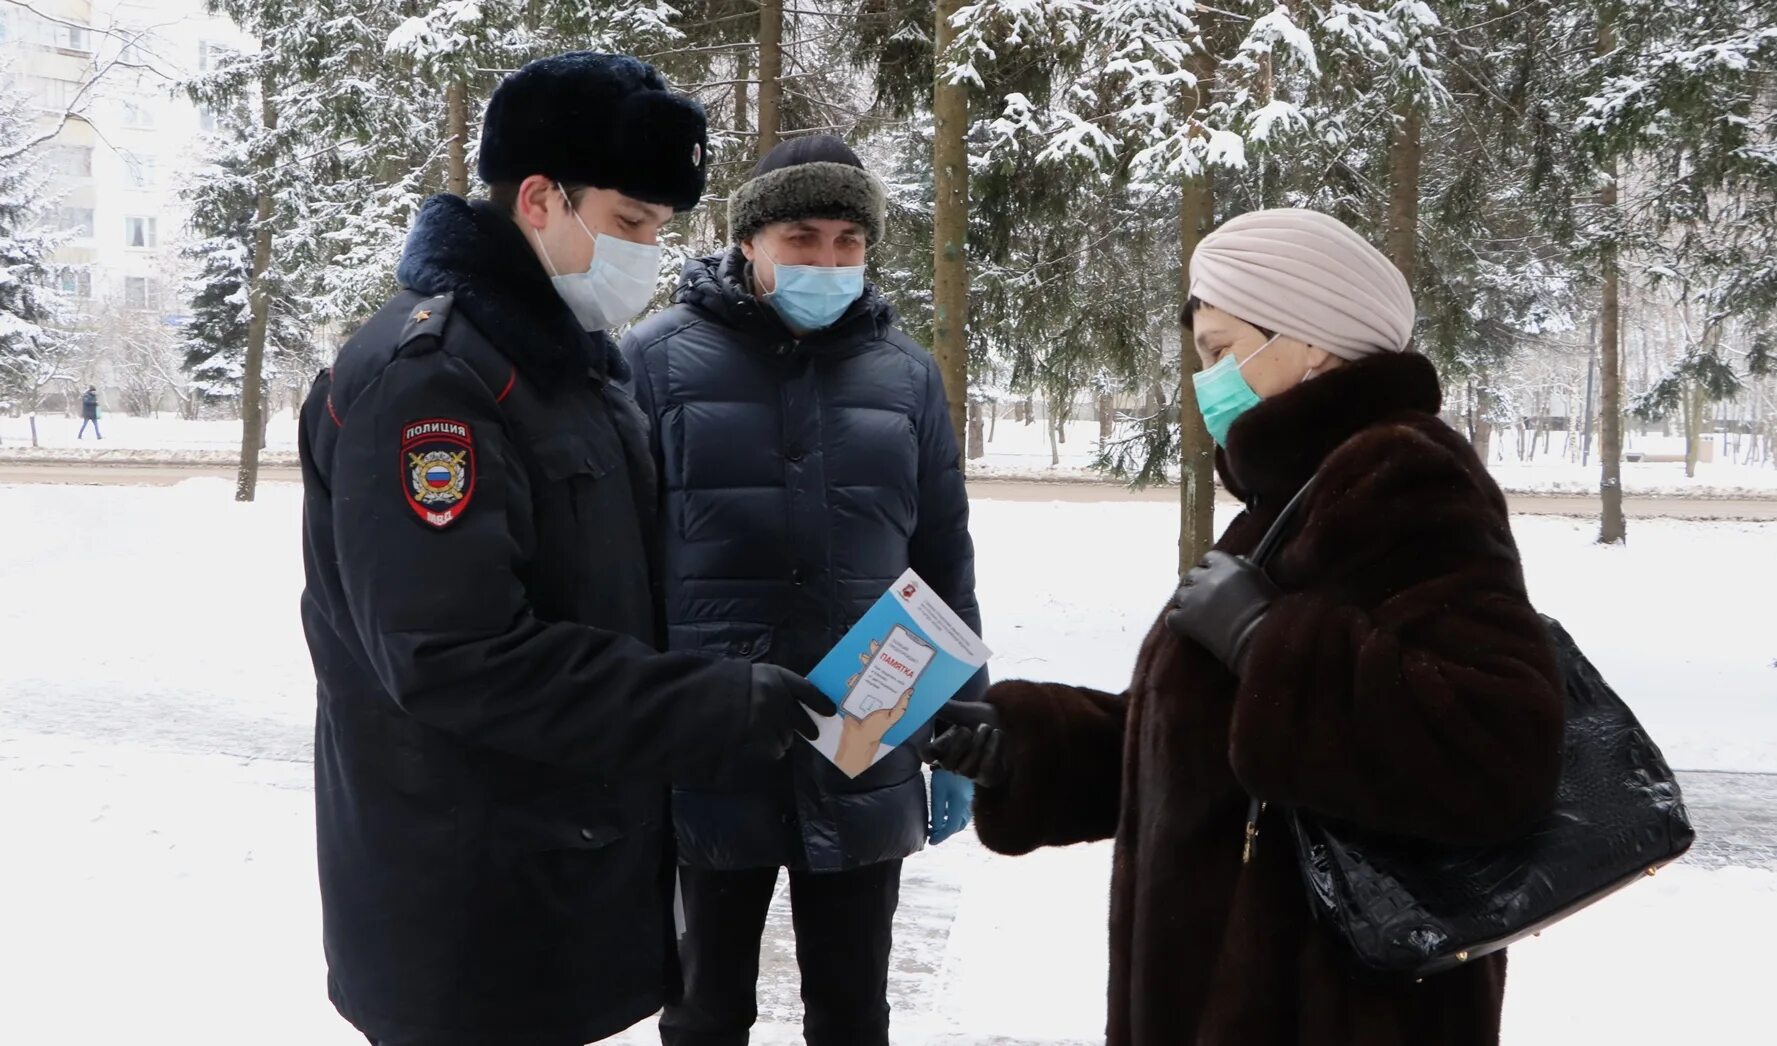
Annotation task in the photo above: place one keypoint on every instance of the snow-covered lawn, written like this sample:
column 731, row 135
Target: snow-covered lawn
column 122, row 432
column 155, row 718
column 1023, row 452
column 1017, row 452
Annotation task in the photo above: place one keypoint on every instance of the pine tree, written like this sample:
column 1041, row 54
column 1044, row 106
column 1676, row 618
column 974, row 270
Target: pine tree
column 1675, row 126
column 31, row 349
column 223, row 197
column 1154, row 99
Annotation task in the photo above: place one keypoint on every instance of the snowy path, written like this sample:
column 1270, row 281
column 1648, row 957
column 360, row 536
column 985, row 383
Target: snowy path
column 1079, row 489
column 156, row 703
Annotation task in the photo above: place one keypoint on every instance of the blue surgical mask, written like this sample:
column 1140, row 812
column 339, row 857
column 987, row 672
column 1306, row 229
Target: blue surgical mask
column 1223, row 394
column 813, row 297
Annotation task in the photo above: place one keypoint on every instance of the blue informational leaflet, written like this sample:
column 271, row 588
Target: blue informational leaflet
column 892, row 672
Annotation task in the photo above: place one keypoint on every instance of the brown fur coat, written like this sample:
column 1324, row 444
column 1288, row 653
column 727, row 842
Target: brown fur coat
column 1402, row 682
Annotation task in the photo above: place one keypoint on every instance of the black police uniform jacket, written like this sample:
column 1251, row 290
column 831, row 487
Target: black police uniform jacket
column 495, row 729
column 800, row 477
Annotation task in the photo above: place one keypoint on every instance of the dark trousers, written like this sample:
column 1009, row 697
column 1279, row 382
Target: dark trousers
column 94, row 422
column 844, row 926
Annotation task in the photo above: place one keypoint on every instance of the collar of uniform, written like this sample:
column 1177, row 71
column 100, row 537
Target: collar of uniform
column 475, row 250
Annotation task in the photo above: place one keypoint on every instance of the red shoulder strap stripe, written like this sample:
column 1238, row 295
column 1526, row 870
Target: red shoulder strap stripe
column 330, row 411
column 507, row 391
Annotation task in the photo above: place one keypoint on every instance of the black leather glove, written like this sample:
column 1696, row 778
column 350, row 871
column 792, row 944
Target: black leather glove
column 972, row 745
column 1219, row 604
column 780, row 706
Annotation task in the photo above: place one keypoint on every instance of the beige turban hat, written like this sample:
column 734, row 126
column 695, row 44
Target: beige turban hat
column 1306, row 275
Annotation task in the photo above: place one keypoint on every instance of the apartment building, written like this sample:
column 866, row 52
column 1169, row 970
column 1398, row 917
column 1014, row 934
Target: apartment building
column 108, row 76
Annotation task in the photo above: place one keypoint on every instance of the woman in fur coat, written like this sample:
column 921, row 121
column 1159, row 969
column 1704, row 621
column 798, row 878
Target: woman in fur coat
column 1388, row 672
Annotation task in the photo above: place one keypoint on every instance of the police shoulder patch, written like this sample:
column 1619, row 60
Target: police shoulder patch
column 438, row 467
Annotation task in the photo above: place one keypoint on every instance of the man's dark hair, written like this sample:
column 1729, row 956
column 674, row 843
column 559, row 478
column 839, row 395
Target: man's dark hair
column 504, row 195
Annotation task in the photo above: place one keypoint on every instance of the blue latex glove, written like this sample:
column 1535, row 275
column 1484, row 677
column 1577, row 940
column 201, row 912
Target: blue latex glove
column 951, row 796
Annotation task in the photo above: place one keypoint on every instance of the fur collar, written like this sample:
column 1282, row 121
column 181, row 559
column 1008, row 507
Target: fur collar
column 474, row 250
column 1276, row 446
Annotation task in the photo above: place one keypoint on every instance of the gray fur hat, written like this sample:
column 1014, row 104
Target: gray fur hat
column 811, row 177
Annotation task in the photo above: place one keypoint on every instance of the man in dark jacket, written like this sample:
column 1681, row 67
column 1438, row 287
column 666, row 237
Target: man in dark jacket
column 807, row 461
column 89, row 412
column 495, row 727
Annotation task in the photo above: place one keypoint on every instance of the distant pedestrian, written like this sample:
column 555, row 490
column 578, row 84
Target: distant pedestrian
column 89, row 412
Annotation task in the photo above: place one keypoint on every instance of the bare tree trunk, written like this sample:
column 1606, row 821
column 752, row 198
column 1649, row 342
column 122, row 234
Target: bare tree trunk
column 1696, row 420
column 1612, row 527
column 1591, row 415
column 1107, row 416
column 1482, row 440
column 977, row 431
column 1405, row 154
column 253, row 378
column 456, row 131
column 993, row 424
column 1197, row 452
column 950, row 215
column 741, row 94
column 718, row 216
column 771, row 72
column 1054, row 428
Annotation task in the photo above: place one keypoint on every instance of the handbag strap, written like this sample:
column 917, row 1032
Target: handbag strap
column 1280, row 527
column 1261, row 555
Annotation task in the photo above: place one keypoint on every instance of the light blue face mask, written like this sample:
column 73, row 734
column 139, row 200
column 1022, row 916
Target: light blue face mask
column 1223, row 394
column 813, row 297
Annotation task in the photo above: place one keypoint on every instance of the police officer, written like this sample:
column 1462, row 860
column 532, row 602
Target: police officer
column 495, row 729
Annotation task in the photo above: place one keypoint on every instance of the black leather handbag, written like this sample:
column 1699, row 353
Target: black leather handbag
column 1407, row 908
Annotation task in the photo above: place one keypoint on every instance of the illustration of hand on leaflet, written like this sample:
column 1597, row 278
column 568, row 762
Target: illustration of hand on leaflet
column 859, row 739
column 877, row 697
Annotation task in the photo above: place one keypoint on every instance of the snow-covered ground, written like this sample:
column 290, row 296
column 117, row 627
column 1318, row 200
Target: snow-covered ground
column 1016, row 452
column 122, row 432
column 155, row 718
column 1023, row 452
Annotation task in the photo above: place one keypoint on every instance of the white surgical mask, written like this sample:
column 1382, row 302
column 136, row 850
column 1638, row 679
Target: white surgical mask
column 618, row 284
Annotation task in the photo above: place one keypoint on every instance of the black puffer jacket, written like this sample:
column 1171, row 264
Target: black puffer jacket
column 799, row 479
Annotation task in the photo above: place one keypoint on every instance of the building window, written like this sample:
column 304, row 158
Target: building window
column 206, row 119
column 137, row 116
column 72, row 161
column 77, row 220
column 54, row 94
column 138, row 292
column 139, row 232
column 206, row 56
column 76, row 284
column 140, row 170
column 67, row 37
